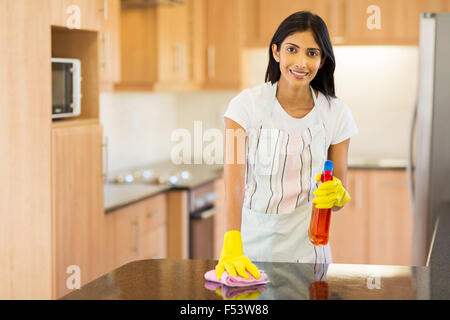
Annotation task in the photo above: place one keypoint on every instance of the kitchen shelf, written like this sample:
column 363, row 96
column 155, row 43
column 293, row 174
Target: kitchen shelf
column 82, row 45
column 73, row 122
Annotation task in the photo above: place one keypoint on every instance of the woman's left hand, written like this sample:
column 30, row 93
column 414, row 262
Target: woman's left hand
column 330, row 193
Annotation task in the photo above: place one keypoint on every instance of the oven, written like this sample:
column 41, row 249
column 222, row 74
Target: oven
column 201, row 221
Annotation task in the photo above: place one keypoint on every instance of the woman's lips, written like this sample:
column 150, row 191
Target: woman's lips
column 299, row 75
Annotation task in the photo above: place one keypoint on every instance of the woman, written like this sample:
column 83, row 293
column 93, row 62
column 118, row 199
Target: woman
column 293, row 123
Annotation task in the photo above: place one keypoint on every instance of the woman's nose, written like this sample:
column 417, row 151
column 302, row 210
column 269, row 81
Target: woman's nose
column 302, row 61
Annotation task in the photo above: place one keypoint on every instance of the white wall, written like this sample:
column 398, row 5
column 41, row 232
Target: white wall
column 139, row 125
column 379, row 85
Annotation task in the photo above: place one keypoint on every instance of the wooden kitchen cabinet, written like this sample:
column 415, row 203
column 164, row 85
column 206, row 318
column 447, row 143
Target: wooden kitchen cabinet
column 139, row 60
column 223, row 44
column 349, row 22
column 390, row 220
column 136, row 231
column 122, row 237
column 109, row 46
column 173, row 46
column 77, row 203
column 376, row 226
column 262, row 17
column 158, row 47
column 153, row 228
column 183, row 47
column 349, row 239
column 90, row 13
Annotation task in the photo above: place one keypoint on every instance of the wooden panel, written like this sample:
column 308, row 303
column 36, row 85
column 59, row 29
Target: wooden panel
column 138, row 46
column 77, row 202
column 153, row 214
column 223, row 68
column 120, row 242
column 109, row 46
column 349, row 239
column 153, row 244
column 391, row 220
column 173, row 34
column 177, row 225
column 126, row 235
column 90, row 13
column 25, row 116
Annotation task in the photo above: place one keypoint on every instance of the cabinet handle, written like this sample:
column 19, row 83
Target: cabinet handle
column 155, row 213
column 105, row 10
column 208, row 213
column 106, row 41
column 105, row 165
column 211, row 61
column 178, row 58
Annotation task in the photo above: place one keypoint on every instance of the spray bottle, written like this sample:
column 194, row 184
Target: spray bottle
column 320, row 218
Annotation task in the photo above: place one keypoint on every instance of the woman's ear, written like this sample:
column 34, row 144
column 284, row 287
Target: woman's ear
column 322, row 62
column 275, row 53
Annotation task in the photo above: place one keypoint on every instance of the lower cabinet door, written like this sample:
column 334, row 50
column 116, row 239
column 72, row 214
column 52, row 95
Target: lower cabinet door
column 153, row 244
column 77, row 206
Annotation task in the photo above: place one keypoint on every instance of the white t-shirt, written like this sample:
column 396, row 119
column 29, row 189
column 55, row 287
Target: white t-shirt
column 247, row 110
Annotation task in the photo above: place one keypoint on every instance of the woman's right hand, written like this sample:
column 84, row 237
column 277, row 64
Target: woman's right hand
column 232, row 258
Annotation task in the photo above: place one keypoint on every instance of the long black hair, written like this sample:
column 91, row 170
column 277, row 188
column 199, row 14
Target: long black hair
column 299, row 22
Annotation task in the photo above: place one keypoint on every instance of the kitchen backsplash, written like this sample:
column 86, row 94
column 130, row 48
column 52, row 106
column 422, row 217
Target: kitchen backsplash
column 378, row 83
column 139, row 126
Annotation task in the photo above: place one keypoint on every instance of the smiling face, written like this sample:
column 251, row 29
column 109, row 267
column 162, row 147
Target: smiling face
column 299, row 58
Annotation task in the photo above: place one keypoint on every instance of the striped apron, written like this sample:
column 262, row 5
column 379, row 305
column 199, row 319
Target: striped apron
column 279, row 185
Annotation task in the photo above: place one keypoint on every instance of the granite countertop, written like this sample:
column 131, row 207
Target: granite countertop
column 119, row 195
column 380, row 164
column 168, row 279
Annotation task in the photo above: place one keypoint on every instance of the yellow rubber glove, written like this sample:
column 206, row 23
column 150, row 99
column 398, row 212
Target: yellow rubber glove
column 232, row 257
column 330, row 193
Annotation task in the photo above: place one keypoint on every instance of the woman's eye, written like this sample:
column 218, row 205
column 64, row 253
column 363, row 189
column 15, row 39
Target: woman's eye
column 312, row 53
column 291, row 49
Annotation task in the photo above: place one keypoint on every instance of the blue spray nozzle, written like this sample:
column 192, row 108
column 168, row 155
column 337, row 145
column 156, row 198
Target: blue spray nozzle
column 328, row 166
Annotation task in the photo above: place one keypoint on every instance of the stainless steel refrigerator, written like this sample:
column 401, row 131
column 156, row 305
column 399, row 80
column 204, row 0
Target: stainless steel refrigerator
column 429, row 158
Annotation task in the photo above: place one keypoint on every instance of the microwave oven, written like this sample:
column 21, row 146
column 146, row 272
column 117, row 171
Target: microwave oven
column 66, row 87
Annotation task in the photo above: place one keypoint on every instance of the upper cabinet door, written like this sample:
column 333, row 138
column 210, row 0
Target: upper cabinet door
column 223, row 44
column 349, row 22
column 173, row 43
column 77, row 14
column 109, row 46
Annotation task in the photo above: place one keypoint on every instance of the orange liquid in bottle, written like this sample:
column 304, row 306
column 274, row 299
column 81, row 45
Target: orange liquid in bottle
column 320, row 219
column 318, row 290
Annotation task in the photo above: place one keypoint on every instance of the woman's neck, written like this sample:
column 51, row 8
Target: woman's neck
column 294, row 98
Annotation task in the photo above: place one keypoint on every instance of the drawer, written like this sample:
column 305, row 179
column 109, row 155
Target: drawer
column 153, row 244
column 153, row 213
